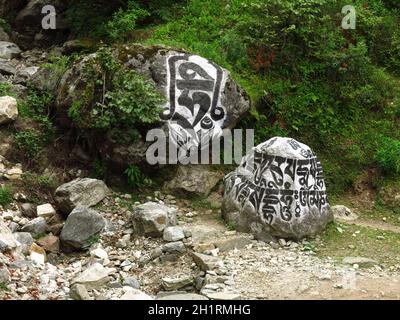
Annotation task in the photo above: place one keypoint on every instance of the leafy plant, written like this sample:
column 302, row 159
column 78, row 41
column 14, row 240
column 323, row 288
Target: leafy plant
column 231, row 225
column 30, row 142
column 388, row 155
column 5, row 196
column 134, row 176
column 125, row 21
column 6, row 89
column 115, row 96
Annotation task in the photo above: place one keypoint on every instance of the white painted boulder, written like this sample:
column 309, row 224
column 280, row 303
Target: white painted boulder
column 278, row 191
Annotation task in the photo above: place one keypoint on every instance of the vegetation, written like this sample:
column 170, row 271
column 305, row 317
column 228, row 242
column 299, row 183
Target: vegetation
column 115, row 96
column 5, row 196
column 37, row 108
column 134, row 176
column 341, row 240
column 6, row 89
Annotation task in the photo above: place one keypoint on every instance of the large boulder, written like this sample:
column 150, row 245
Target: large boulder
column 151, row 218
column 8, row 109
column 9, row 50
column 28, row 24
column 80, row 229
column 80, row 192
column 201, row 99
column 278, row 191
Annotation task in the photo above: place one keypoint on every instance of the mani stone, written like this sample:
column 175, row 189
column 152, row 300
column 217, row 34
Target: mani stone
column 8, row 109
column 80, row 192
column 151, row 218
column 277, row 191
column 80, row 229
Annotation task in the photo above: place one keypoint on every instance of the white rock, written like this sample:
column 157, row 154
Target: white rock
column 173, row 234
column 99, row 253
column 8, row 109
column 93, row 277
column 37, row 258
column 45, row 210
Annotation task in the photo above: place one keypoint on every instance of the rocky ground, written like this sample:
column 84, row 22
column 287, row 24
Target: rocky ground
column 197, row 258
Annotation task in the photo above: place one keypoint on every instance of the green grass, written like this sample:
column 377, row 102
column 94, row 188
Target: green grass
column 365, row 243
column 3, row 287
column 5, row 196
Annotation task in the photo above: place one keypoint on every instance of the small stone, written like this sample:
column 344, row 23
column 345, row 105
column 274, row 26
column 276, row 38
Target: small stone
column 37, row 254
column 174, row 247
column 99, row 253
column 50, row 243
column 223, row 296
column 8, row 113
column 79, row 292
column 172, row 284
column 131, row 282
column 28, row 210
column 205, row 262
column 282, row 242
column 45, row 210
column 173, row 234
column 5, row 277
column 93, row 277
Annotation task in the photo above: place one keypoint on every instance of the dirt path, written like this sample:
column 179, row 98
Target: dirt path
column 379, row 225
column 260, row 271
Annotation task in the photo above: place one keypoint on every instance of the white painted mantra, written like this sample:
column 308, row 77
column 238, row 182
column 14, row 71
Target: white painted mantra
column 165, row 149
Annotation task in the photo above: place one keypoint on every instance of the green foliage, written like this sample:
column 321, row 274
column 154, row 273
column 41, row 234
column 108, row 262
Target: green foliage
column 30, row 142
column 388, row 155
column 124, row 98
column 58, row 64
column 125, row 21
column 231, row 225
column 82, row 20
column 5, row 196
column 5, row 25
column 6, row 89
column 39, row 187
column 36, row 106
column 134, row 176
column 99, row 169
column 92, row 240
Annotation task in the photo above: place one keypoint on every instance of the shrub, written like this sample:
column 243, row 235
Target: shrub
column 6, row 89
column 125, row 21
column 135, row 176
column 5, row 196
column 30, row 142
column 115, row 96
column 388, row 155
